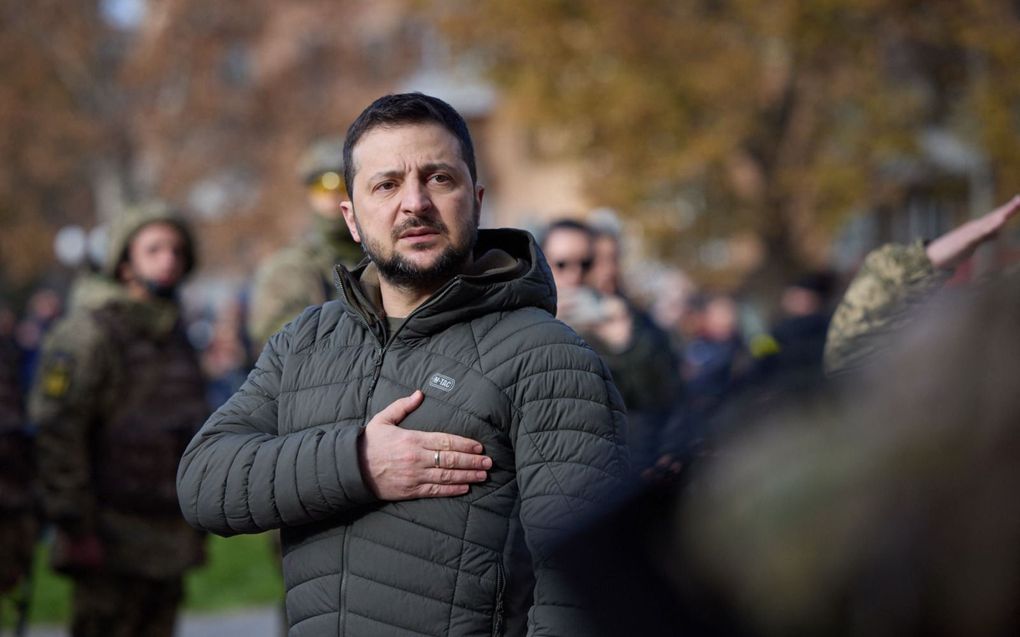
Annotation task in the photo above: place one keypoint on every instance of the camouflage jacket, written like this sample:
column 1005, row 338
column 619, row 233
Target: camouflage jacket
column 891, row 283
column 118, row 395
column 294, row 278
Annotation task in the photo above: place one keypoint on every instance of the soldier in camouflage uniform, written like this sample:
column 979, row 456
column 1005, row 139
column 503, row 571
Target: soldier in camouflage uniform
column 302, row 274
column 893, row 281
column 118, row 396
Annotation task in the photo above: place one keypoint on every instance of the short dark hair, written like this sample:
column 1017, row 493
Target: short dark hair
column 408, row 108
column 567, row 224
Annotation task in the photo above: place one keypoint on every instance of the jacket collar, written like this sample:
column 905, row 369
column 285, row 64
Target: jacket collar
column 509, row 272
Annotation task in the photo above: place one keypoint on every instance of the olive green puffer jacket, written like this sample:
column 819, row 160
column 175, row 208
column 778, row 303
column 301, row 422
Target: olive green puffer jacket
column 494, row 366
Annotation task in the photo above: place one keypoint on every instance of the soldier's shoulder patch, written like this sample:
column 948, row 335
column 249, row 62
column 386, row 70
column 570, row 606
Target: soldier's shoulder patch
column 55, row 374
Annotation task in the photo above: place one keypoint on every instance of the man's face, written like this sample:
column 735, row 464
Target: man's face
column 605, row 271
column 157, row 257
column 413, row 206
column 569, row 253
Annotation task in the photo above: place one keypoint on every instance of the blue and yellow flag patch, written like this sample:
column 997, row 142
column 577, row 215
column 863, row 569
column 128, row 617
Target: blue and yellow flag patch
column 55, row 375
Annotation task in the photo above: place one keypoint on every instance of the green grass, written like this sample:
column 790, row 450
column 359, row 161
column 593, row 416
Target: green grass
column 51, row 592
column 239, row 572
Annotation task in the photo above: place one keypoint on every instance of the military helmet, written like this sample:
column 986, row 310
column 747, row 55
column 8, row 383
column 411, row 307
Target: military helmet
column 126, row 225
column 322, row 164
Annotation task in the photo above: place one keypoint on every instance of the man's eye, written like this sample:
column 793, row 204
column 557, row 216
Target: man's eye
column 440, row 178
column 385, row 185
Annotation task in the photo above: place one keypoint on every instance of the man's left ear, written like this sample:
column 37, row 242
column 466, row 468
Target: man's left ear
column 479, row 195
column 347, row 208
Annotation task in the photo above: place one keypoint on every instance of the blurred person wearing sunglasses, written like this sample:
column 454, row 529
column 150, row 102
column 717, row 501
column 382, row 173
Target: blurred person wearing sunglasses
column 586, row 267
column 567, row 245
column 301, row 274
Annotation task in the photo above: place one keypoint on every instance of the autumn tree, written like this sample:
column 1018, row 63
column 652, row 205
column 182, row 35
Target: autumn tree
column 710, row 117
column 208, row 105
column 46, row 118
column 249, row 86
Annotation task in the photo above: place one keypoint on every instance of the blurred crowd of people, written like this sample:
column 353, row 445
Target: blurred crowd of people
column 693, row 377
column 685, row 371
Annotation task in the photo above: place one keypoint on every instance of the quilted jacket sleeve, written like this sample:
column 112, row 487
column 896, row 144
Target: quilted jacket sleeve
column 239, row 475
column 571, row 461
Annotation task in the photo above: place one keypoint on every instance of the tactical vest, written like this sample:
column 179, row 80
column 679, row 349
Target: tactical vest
column 156, row 404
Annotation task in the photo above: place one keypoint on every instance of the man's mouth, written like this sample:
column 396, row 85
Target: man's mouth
column 418, row 232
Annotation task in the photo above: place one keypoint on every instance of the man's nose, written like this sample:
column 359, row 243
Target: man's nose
column 170, row 260
column 415, row 198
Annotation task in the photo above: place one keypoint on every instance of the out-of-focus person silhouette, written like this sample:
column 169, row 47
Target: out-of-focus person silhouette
column 43, row 308
column 587, row 271
column 8, row 323
column 301, row 274
column 606, row 273
column 18, row 514
column 787, row 367
column 225, row 357
column 118, row 396
column 800, row 332
column 715, row 359
column 672, row 292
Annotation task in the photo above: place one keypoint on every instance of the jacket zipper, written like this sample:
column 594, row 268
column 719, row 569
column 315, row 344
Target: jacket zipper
column 380, row 353
column 368, row 323
column 341, row 615
column 497, row 613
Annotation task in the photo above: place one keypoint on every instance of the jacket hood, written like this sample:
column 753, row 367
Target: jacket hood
column 133, row 219
column 509, row 272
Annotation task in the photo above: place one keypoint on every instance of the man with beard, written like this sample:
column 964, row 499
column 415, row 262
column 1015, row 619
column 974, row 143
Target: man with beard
column 118, row 395
column 404, row 436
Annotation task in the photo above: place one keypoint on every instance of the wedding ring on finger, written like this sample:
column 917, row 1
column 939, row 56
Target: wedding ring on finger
column 435, row 459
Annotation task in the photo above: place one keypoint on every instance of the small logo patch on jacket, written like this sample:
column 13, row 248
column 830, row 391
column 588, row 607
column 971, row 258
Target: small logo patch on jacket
column 442, row 383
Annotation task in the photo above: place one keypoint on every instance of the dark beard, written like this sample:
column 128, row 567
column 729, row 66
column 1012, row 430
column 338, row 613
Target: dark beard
column 401, row 273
